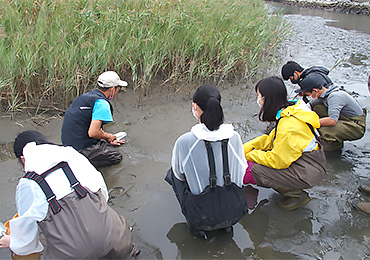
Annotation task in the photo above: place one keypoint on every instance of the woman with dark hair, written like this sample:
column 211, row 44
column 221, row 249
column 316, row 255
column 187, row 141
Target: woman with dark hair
column 208, row 165
column 66, row 197
column 290, row 158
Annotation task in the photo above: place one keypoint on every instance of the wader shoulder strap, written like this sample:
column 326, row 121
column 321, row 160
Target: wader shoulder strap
column 50, row 196
column 225, row 161
column 313, row 131
column 75, row 184
column 212, row 167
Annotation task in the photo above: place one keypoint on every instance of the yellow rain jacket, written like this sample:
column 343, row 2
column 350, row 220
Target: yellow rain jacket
column 293, row 137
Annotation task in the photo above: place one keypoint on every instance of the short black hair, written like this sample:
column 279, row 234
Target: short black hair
column 26, row 137
column 288, row 69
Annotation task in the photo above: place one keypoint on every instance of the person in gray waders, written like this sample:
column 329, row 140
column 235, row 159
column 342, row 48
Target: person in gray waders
column 65, row 197
column 208, row 166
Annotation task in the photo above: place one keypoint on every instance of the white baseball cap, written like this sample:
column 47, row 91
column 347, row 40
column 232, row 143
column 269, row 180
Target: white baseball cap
column 110, row 79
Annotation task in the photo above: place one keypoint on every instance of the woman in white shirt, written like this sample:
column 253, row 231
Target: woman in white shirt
column 76, row 222
column 208, row 165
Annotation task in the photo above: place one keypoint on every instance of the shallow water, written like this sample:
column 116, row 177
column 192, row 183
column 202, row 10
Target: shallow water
column 326, row 228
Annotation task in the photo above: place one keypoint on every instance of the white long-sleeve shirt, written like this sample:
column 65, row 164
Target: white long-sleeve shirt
column 30, row 199
column 190, row 160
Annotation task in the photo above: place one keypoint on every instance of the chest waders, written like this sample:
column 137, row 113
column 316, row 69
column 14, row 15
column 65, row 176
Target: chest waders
column 81, row 225
column 307, row 171
column 50, row 196
column 217, row 207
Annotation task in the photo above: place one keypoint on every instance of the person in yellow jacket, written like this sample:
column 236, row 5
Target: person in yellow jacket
column 290, row 158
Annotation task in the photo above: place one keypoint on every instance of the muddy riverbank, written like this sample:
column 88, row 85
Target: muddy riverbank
column 326, row 228
column 346, row 6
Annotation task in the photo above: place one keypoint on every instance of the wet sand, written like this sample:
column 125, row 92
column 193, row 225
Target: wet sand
column 327, row 228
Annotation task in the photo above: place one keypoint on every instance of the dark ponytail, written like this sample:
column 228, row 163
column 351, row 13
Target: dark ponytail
column 208, row 98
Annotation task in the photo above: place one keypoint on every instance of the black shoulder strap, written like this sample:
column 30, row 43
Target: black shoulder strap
column 50, row 196
column 212, row 167
column 225, row 161
column 277, row 122
column 75, row 184
column 314, row 133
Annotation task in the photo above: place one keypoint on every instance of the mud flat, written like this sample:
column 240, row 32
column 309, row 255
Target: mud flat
column 351, row 7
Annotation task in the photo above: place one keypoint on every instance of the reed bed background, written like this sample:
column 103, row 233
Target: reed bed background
column 52, row 51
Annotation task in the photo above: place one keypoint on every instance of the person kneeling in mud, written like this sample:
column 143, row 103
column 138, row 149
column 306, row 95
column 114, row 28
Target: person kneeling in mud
column 66, row 197
column 290, row 158
column 208, row 166
column 83, row 122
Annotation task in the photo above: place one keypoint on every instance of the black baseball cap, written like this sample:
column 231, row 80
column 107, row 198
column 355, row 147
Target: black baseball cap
column 311, row 81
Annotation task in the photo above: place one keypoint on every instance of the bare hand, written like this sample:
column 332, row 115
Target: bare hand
column 5, row 241
column 117, row 142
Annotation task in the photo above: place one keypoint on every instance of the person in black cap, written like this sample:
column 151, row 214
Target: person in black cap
column 341, row 117
column 295, row 72
column 83, row 122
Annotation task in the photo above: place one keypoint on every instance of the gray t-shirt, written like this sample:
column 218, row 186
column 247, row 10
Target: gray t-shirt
column 338, row 102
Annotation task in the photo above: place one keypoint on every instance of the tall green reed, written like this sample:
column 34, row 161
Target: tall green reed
column 52, row 51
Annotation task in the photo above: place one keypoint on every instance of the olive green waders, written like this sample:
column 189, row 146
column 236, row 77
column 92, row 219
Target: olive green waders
column 346, row 129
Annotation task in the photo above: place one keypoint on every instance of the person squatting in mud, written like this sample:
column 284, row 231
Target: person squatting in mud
column 83, row 122
column 290, row 158
column 66, row 197
column 208, row 165
column 341, row 117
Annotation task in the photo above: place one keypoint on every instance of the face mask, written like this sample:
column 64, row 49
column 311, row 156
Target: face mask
column 295, row 81
column 111, row 95
column 258, row 101
column 192, row 110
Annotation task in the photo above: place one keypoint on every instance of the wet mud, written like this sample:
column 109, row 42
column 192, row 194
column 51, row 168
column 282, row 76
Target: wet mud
column 326, row 228
column 349, row 7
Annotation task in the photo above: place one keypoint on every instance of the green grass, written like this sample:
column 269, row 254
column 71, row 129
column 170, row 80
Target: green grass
column 52, row 51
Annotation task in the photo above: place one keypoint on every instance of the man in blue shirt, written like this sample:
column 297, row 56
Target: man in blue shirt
column 83, row 122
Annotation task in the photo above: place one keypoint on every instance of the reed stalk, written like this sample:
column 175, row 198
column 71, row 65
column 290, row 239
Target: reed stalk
column 53, row 50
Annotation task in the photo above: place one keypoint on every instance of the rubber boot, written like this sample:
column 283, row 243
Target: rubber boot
column 293, row 198
column 332, row 146
column 364, row 207
column 365, row 189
